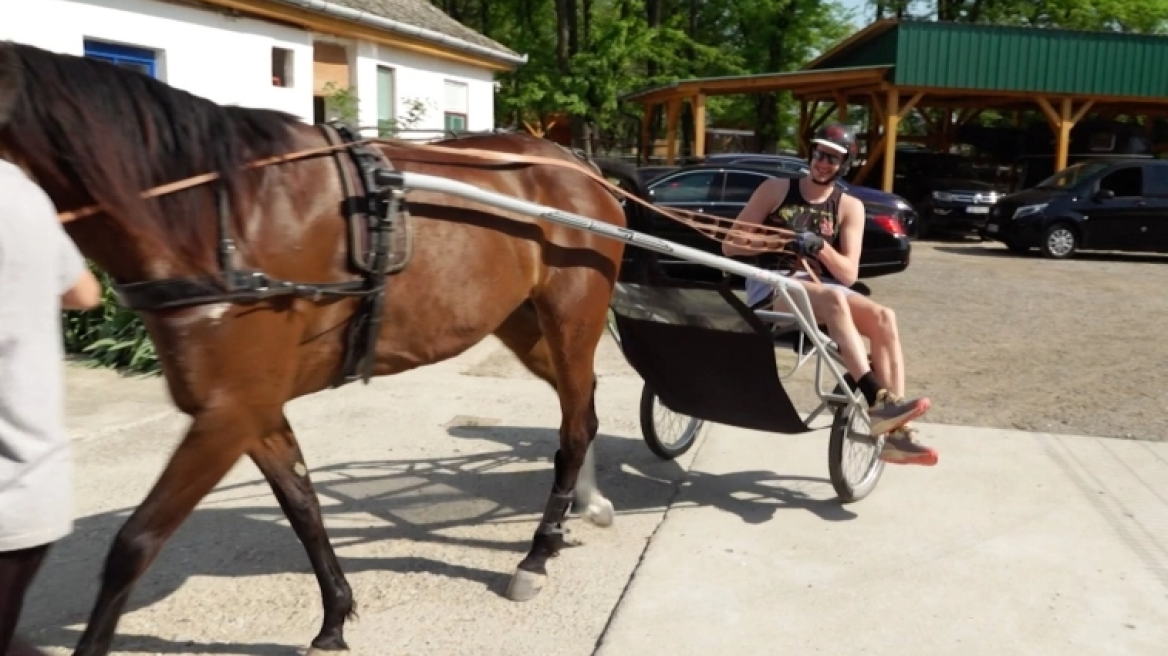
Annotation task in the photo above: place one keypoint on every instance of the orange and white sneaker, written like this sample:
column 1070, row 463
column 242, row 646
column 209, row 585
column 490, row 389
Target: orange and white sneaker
column 902, row 448
column 891, row 412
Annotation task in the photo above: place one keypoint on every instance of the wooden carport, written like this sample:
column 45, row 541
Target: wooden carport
column 959, row 70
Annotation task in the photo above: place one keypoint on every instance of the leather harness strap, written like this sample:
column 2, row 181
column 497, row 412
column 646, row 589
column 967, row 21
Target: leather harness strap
column 717, row 233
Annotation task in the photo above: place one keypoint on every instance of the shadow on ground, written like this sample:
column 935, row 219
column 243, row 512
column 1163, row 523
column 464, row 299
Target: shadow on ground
column 414, row 500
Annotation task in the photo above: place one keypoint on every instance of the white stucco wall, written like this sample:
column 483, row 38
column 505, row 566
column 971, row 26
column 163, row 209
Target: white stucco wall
column 417, row 77
column 228, row 60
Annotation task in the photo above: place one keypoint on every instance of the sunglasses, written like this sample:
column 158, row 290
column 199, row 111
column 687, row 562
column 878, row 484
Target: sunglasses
column 830, row 158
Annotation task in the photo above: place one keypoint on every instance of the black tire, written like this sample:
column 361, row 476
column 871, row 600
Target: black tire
column 1059, row 241
column 660, row 448
column 849, row 490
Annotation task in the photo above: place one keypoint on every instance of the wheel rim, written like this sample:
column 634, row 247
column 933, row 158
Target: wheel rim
column 860, row 459
column 1060, row 241
column 668, row 423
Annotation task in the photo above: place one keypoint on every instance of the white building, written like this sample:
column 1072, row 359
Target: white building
column 405, row 60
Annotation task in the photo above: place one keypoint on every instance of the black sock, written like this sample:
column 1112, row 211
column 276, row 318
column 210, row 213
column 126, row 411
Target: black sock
column 869, row 387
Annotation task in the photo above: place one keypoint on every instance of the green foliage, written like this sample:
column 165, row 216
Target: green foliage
column 344, row 105
column 109, row 336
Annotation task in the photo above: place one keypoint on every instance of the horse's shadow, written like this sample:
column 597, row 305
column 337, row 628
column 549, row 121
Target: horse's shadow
column 239, row 531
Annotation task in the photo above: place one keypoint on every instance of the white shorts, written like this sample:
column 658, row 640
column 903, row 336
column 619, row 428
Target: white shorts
column 758, row 292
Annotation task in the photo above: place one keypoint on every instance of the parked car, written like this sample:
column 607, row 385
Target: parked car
column 723, row 190
column 1116, row 204
column 946, row 191
column 904, row 210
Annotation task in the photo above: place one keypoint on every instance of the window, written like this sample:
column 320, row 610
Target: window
column 455, row 106
column 281, row 67
column 137, row 59
column 1156, row 180
column 740, row 186
column 386, row 111
column 686, row 188
column 1127, row 181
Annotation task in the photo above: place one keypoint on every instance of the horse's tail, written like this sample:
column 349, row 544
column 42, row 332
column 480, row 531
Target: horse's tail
column 640, row 264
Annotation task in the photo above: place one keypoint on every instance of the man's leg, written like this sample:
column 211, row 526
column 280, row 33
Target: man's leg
column 831, row 307
column 17, row 570
column 878, row 324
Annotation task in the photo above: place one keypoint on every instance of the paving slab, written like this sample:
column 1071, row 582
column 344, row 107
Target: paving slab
column 1015, row 543
column 432, row 483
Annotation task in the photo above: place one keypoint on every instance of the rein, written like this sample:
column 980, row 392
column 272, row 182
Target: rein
column 716, row 232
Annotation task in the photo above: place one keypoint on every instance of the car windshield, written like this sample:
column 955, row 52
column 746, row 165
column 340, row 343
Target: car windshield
column 1071, row 175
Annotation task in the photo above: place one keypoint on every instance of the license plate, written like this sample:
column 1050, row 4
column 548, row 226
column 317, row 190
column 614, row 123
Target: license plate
column 978, row 210
column 992, row 228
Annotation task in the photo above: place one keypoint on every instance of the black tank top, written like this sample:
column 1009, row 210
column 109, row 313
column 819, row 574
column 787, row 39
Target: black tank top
column 796, row 213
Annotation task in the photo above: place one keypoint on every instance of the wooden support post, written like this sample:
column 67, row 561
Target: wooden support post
column 804, row 117
column 672, row 114
column 1062, row 123
column 891, row 123
column 698, row 104
column 646, row 150
column 841, row 107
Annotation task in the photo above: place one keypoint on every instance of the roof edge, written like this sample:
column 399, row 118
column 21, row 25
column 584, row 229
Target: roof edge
column 873, row 30
column 698, row 81
column 320, row 6
column 323, row 8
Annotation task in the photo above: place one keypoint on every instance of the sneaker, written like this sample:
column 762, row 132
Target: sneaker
column 901, row 448
column 890, row 412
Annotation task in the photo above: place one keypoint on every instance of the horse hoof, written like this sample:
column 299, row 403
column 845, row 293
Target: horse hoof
column 600, row 512
column 525, row 585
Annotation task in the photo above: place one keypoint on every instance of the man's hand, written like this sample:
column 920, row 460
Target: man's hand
column 805, row 243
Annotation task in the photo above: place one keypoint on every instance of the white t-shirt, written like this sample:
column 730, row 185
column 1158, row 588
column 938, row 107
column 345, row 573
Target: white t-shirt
column 38, row 263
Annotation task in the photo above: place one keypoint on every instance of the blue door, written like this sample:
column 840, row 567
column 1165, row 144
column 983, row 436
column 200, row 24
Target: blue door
column 138, row 59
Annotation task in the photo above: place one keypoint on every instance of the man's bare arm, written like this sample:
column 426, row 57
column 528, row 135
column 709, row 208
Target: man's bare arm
column 763, row 200
column 844, row 264
column 84, row 294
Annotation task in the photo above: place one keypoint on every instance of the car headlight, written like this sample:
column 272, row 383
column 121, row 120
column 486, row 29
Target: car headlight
column 942, row 196
column 1027, row 210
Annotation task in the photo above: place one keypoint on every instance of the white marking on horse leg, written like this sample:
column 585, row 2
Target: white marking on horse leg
column 299, row 469
column 597, row 509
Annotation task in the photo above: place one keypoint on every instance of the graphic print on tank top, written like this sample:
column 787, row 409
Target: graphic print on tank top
column 797, row 213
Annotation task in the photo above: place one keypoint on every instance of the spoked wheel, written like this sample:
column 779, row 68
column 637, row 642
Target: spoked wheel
column 853, row 456
column 668, row 434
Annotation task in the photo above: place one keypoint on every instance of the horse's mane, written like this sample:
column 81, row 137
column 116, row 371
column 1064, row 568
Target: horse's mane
column 115, row 133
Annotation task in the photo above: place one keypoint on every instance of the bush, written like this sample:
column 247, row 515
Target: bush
column 109, row 336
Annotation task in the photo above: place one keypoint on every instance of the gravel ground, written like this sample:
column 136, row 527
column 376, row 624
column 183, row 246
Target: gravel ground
column 1007, row 341
column 1004, row 341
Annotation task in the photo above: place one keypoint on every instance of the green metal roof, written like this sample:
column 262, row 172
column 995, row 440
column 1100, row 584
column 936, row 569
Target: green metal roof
column 1002, row 58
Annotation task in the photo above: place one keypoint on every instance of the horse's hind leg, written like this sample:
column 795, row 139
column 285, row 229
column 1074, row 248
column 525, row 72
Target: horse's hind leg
column 522, row 335
column 569, row 338
column 278, row 457
column 213, row 444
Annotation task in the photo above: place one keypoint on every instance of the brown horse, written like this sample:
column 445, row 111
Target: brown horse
column 93, row 134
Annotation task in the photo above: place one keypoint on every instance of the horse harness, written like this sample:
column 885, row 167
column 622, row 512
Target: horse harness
column 379, row 238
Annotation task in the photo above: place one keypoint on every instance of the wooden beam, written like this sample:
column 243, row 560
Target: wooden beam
column 1062, row 146
column 804, row 117
column 892, row 115
column 672, row 114
column 698, row 105
column 908, row 106
column 646, row 149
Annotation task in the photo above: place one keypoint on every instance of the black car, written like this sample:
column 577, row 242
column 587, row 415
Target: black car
column 723, row 191
column 946, row 190
column 903, row 210
column 1118, row 204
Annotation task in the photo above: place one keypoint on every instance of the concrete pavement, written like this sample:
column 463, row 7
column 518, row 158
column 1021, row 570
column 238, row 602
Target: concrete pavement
column 1016, row 543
